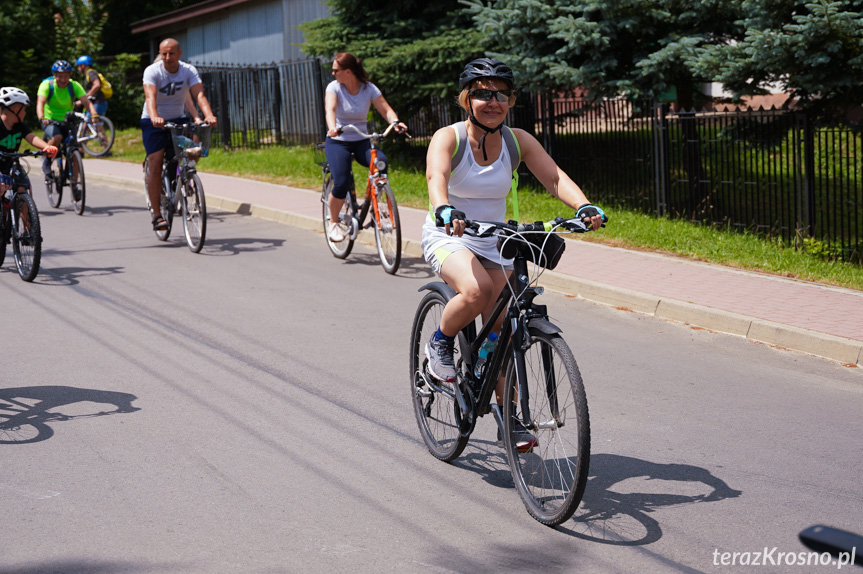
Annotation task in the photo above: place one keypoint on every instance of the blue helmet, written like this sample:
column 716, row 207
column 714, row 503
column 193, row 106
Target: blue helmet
column 86, row 60
column 61, row 66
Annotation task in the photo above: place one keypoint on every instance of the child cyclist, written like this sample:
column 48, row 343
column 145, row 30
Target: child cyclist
column 13, row 106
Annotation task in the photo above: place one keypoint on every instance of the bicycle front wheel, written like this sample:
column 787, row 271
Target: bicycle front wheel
column 26, row 236
column 77, row 184
column 98, row 140
column 345, row 219
column 194, row 213
column 550, row 478
column 54, row 183
column 388, row 229
column 437, row 412
column 5, row 228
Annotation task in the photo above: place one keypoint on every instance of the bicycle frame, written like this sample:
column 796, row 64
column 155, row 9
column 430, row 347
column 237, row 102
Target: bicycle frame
column 516, row 300
column 375, row 181
column 86, row 129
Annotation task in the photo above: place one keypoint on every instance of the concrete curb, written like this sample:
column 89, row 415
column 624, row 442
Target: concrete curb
column 847, row 351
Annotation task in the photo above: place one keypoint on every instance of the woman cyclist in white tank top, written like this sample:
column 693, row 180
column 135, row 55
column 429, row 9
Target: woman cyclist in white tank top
column 477, row 189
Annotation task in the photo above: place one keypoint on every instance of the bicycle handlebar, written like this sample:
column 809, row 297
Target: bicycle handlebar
column 28, row 153
column 367, row 136
column 171, row 125
column 489, row 228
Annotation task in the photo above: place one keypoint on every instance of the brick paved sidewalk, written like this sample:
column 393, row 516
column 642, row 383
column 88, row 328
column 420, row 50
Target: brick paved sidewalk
column 799, row 315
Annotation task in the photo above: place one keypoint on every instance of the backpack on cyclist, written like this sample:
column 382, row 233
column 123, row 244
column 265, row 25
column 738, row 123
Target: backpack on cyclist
column 107, row 88
column 72, row 97
column 511, row 143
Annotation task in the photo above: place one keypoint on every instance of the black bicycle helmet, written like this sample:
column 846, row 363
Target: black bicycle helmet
column 61, row 66
column 486, row 68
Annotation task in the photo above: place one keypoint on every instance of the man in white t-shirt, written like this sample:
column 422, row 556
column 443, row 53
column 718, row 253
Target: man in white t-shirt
column 166, row 83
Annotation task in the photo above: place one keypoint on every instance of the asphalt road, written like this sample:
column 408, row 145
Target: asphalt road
column 247, row 410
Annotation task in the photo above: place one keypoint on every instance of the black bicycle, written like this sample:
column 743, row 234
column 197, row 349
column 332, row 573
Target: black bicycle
column 67, row 168
column 182, row 190
column 19, row 218
column 543, row 388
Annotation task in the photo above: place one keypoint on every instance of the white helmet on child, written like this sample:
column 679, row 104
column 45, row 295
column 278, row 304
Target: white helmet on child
column 12, row 95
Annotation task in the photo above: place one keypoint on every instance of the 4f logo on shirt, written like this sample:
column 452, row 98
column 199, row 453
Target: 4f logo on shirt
column 11, row 141
column 171, row 88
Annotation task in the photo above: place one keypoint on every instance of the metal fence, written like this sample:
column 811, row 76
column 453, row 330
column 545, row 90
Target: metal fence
column 281, row 105
column 768, row 171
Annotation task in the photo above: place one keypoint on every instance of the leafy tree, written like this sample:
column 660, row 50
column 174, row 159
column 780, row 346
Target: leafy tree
column 411, row 49
column 811, row 49
column 26, row 29
column 610, row 47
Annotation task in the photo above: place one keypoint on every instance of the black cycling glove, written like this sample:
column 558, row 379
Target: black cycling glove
column 447, row 214
column 588, row 210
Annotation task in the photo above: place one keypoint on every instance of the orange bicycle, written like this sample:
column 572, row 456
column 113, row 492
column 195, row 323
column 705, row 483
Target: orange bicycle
column 379, row 205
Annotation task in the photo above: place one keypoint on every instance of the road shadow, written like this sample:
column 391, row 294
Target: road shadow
column 67, row 276
column 488, row 460
column 111, row 210
column 238, row 245
column 409, row 267
column 622, row 491
column 25, row 412
column 73, row 566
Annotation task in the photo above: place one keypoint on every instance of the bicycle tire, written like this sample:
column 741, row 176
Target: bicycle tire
column 340, row 249
column 26, row 238
column 54, row 183
column 14, row 432
column 194, row 216
column 165, row 209
column 436, row 409
column 5, row 225
column 77, row 185
column 96, row 145
column 551, row 477
column 388, row 230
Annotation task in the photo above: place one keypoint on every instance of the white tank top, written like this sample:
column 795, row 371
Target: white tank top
column 480, row 191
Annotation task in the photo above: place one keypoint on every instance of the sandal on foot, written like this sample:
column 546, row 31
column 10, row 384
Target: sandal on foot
column 159, row 223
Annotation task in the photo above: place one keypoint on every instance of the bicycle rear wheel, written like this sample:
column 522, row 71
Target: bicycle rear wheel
column 77, row 184
column 194, row 213
column 98, row 143
column 26, row 236
column 5, row 227
column 165, row 208
column 388, row 230
column 437, row 412
column 339, row 249
column 551, row 477
column 54, row 183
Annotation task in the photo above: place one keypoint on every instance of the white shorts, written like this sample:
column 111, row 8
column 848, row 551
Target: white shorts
column 437, row 246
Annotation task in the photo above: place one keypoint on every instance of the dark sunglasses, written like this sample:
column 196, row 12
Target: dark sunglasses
column 486, row 95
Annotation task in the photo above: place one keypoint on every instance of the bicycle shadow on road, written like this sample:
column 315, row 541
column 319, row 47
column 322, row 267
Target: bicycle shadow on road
column 110, row 210
column 409, row 268
column 238, row 245
column 26, row 411
column 619, row 497
column 68, row 276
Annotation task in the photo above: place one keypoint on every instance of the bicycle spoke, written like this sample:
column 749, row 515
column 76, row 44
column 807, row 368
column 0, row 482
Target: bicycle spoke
column 551, row 476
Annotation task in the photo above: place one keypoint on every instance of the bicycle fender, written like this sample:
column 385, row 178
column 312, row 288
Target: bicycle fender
column 445, row 290
column 543, row 325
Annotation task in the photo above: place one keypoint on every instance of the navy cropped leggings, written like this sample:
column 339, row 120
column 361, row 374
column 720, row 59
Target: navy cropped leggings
column 340, row 154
